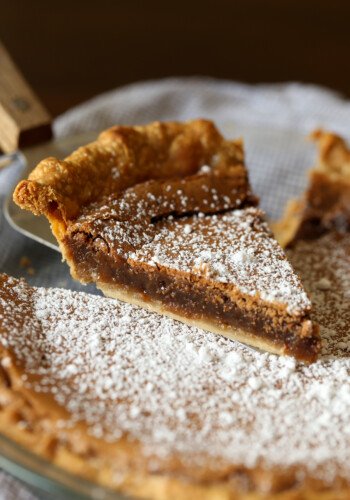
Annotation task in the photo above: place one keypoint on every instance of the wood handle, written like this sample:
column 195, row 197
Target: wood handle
column 24, row 121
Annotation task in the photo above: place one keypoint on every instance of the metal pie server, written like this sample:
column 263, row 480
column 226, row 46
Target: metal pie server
column 26, row 136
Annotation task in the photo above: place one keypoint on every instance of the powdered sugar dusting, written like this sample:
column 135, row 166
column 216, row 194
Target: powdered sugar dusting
column 179, row 390
column 325, row 270
column 153, row 226
column 235, row 248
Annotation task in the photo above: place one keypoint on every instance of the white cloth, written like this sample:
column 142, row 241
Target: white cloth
column 291, row 105
column 273, row 119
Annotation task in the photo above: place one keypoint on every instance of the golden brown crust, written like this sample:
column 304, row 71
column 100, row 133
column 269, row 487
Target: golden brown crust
column 333, row 154
column 122, row 157
column 32, row 425
column 326, row 203
column 287, row 227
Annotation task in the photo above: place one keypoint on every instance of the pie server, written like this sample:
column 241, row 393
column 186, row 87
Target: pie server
column 26, row 136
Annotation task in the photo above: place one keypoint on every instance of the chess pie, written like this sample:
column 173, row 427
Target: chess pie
column 163, row 216
column 158, row 409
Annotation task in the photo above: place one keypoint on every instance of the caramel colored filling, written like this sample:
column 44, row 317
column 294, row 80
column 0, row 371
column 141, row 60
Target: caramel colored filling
column 190, row 299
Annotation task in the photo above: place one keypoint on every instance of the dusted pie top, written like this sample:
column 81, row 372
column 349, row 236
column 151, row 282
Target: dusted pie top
column 184, row 393
column 234, row 249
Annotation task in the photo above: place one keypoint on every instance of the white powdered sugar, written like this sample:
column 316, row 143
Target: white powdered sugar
column 235, row 248
column 205, row 169
column 325, row 270
column 180, row 390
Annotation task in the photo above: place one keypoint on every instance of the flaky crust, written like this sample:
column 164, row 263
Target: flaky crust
column 122, row 157
column 326, row 203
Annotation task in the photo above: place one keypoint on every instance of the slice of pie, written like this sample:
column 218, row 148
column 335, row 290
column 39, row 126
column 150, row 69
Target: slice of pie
column 325, row 206
column 163, row 216
column 316, row 230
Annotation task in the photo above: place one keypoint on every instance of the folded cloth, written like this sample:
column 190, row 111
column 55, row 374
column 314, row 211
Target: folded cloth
column 273, row 119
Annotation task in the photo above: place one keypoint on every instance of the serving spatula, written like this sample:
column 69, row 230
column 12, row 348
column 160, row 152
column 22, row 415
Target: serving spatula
column 26, row 136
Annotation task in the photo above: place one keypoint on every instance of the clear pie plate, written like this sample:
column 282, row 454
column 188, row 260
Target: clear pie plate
column 45, row 478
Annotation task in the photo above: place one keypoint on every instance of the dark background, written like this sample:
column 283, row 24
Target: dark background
column 71, row 50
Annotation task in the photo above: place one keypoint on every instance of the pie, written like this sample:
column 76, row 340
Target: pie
column 163, row 216
column 158, row 409
column 154, row 408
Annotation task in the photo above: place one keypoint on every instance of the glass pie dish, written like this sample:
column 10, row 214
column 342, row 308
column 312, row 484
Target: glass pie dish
column 45, row 478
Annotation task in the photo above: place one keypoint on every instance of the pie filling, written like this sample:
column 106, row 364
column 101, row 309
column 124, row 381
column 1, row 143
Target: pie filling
column 184, row 297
